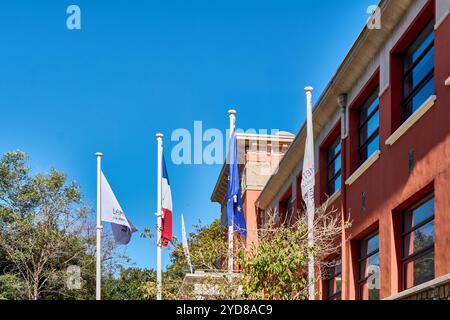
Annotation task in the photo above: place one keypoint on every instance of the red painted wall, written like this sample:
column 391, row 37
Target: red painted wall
column 389, row 185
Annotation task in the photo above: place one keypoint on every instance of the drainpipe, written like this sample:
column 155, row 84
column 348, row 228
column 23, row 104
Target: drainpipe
column 345, row 251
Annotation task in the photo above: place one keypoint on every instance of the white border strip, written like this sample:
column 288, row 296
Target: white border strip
column 363, row 168
column 411, row 120
column 441, row 20
column 383, row 91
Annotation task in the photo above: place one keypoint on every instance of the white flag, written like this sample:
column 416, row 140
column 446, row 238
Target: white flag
column 308, row 175
column 308, row 182
column 112, row 212
column 185, row 244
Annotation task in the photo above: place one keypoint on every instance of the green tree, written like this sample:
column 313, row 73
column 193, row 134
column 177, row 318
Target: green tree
column 44, row 229
column 275, row 268
column 129, row 285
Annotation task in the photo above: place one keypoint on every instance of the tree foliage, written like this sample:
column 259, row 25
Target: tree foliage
column 276, row 267
column 44, row 229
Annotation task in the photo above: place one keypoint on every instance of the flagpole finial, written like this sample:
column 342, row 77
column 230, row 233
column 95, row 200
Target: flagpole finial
column 309, row 89
column 232, row 112
column 159, row 136
column 99, row 154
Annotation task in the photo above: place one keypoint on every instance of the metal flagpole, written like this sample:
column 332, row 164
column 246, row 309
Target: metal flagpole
column 159, row 138
column 232, row 116
column 310, row 207
column 98, row 282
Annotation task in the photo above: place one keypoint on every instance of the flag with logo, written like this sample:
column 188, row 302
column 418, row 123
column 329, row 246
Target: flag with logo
column 235, row 211
column 308, row 174
column 111, row 211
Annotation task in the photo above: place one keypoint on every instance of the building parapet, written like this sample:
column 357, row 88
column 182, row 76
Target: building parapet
column 436, row 289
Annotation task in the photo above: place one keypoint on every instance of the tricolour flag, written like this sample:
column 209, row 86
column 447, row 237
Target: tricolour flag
column 112, row 212
column 235, row 211
column 185, row 244
column 166, row 235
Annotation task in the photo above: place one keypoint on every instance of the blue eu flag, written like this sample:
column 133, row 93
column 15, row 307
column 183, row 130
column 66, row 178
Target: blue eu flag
column 235, row 211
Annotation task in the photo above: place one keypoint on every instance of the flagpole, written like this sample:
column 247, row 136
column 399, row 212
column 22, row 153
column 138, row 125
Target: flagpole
column 185, row 244
column 232, row 116
column 311, row 208
column 159, row 138
column 98, row 282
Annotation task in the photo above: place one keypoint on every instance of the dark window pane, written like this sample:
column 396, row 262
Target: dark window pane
column 369, row 265
column 337, row 183
column 369, row 246
column 419, row 214
column 334, row 167
column 369, row 127
column 419, row 46
column 420, row 270
column 369, row 107
column 338, row 267
column 338, row 281
column 419, row 72
column 334, row 150
column 373, row 146
column 369, row 291
column 419, row 239
column 373, row 124
column 422, row 95
column 334, row 279
column 418, row 83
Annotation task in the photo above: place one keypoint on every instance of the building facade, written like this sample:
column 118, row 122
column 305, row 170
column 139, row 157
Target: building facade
column 382, row 147
column 258, row 158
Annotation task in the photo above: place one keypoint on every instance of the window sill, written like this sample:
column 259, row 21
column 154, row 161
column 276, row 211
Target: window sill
column 442, row 19
column 411, row 120
column 331, row 199
column 447, row 82
column 363, row 168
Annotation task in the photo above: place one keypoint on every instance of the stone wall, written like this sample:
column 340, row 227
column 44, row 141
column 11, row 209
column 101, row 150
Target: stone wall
column 437, row 289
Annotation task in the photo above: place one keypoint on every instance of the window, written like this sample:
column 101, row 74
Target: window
column 288, row 210
column 418, row 243
column 334, row 167
column 418, row 72
column 334, row 280
column 369, row 124
column 369, row 268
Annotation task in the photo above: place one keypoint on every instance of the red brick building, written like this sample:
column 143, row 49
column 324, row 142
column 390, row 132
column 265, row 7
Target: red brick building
column 382, row 142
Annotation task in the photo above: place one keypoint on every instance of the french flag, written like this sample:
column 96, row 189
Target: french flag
column 166, row 236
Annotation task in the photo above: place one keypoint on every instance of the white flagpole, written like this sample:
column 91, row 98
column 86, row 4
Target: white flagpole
column 310, row 208
column 185, row 244
column 159, row 138
column 232, row 116
column 98, row 279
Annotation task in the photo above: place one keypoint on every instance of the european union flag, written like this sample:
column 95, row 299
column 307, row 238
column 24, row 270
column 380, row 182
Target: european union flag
column 235, row 211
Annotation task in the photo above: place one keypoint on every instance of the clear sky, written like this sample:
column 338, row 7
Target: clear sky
column 141, row 67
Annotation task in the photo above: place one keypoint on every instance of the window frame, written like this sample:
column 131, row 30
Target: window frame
column 331, row 278
column 337, row 175
column 422, row 252
column 406, row 72
column 374, row 96
column 362, row 280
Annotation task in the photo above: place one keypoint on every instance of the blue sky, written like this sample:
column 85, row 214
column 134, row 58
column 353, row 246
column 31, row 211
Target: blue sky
column 141, row 67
